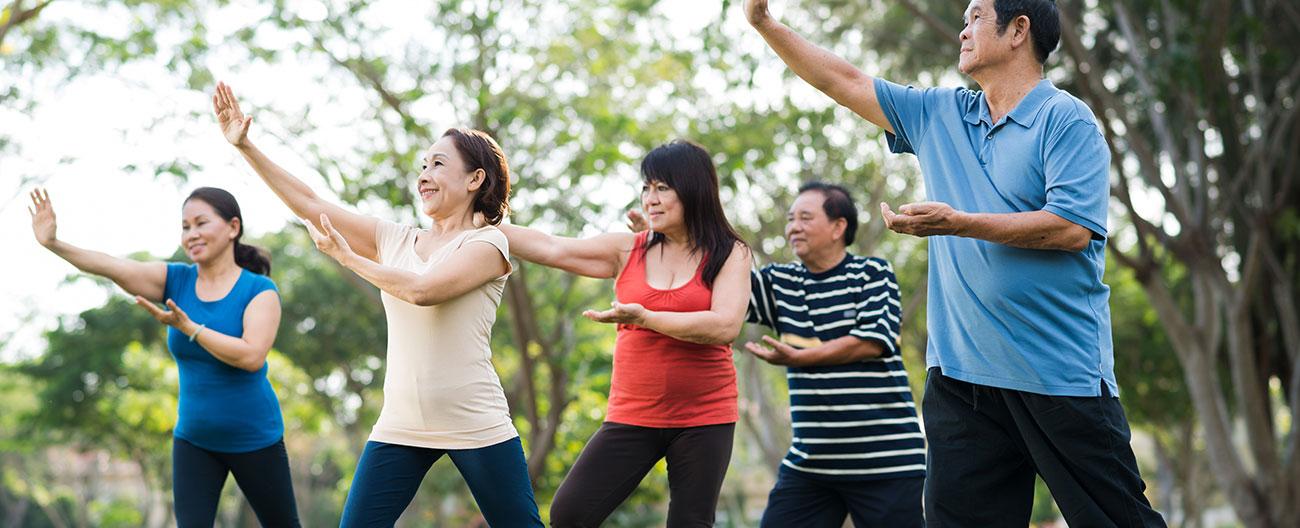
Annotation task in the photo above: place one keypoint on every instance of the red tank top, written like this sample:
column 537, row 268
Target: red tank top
column 660, row 381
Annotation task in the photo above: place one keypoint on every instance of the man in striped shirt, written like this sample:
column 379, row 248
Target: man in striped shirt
column 858, row 447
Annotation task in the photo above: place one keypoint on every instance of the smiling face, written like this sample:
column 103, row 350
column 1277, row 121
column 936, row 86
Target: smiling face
column 444, row 185
column 981, row 46
column 662, row 206
column 808, row 229
column 204, row 234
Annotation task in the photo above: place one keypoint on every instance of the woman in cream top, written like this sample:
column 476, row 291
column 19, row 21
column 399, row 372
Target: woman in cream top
column 441, row 288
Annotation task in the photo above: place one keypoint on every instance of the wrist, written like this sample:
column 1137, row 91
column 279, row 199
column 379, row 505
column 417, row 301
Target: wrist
column 963, row 224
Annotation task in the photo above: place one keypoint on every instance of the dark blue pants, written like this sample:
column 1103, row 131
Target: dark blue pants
column 816, row 503
column 986, row 444
column 388, row 475
column 263, row 475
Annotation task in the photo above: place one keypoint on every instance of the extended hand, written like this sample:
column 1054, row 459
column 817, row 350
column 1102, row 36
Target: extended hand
column 43, row 223
column 777, row 354
column 234, row 125
column 330, row 241
column 636, row 221
column 619, row 313
column 922, row 219
column 173, row 316
column 756, row 11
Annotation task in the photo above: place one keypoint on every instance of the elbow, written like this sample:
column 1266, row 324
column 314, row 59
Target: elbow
column 422, row 298
column 1077, row 241
column 725, row 335
column 253, row 364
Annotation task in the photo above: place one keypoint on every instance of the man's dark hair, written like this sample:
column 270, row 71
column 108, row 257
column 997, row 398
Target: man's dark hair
column 1044, row 22
column 838, row 204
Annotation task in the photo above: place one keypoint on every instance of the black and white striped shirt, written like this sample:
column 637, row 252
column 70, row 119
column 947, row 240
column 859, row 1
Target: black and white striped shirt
column 851, row 422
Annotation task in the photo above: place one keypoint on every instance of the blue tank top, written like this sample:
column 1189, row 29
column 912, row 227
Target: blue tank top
column 221, row 408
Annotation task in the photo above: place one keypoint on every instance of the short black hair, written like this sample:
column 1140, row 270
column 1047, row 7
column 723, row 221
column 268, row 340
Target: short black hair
column 838, row 204
column 1044, row 22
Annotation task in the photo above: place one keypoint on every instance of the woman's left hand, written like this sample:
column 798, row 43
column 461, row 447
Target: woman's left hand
column 619, row 313
column 330, row 241
column 173, row 316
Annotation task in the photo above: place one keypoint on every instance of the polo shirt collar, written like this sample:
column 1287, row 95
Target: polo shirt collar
column 1025, row 112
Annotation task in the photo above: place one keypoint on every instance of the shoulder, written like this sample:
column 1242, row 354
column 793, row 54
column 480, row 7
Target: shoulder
column 389, row 228
column 874, row 264
column 259, row 283
column 181, row 271
column 490, row 234
column 1063, row 110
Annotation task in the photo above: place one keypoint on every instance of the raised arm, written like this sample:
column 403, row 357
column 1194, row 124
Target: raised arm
column 825, row 71
column 720, row 324
column 357, row 228
column 146, row 279
column 600, row 256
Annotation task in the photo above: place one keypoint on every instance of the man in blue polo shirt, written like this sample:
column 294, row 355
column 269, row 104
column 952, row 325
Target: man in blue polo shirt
column 1021, row 370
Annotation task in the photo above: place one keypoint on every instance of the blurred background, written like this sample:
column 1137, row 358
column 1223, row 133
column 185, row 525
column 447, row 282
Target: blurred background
column 106, row 103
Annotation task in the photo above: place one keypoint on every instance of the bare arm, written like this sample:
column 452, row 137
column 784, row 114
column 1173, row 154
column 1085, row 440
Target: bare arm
column 1027, row 230
column 146, row 279
column 720, row 324
column 1031, row 230
column 838, row 351
column 246, row 352
column 471, row 266
column 357, row 228
column 600, row 256
column 825, row 71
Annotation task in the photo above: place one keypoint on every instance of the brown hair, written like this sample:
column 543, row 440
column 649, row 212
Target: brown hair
column 480, row 151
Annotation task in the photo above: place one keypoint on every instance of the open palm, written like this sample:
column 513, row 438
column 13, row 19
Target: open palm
column 234, row 124
column 43, row 223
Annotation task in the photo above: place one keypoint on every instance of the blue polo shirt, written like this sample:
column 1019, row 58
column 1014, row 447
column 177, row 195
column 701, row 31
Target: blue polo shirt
column 1022, row 319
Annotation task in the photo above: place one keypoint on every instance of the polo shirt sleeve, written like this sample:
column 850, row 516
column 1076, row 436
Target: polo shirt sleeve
column 879, row 312
column 906, row 109
column 762, row 305
column 1076, row 170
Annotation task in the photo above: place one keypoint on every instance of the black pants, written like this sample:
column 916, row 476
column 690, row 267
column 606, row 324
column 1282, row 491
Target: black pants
column 815, row 503
column 619, row 456
column 986, row 444
column 263, row 475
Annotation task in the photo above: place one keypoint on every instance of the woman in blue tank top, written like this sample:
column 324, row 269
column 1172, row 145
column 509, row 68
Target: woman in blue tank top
column 222, row 314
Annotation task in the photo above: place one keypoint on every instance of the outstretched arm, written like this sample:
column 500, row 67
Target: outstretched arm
column 825, row 71
column 600, row 256
column 146, row 279
column 305, row 203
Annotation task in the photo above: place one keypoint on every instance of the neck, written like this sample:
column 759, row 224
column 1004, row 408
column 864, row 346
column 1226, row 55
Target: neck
column 460, row 220
column 221, row 266
column 674, row 237
column 824, row 260
column 1005, row 90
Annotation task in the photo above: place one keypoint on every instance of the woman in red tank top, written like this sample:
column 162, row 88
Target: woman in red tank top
column 681, row 293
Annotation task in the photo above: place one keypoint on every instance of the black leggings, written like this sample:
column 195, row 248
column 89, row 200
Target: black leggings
column 263, row 475
column 619, row 456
